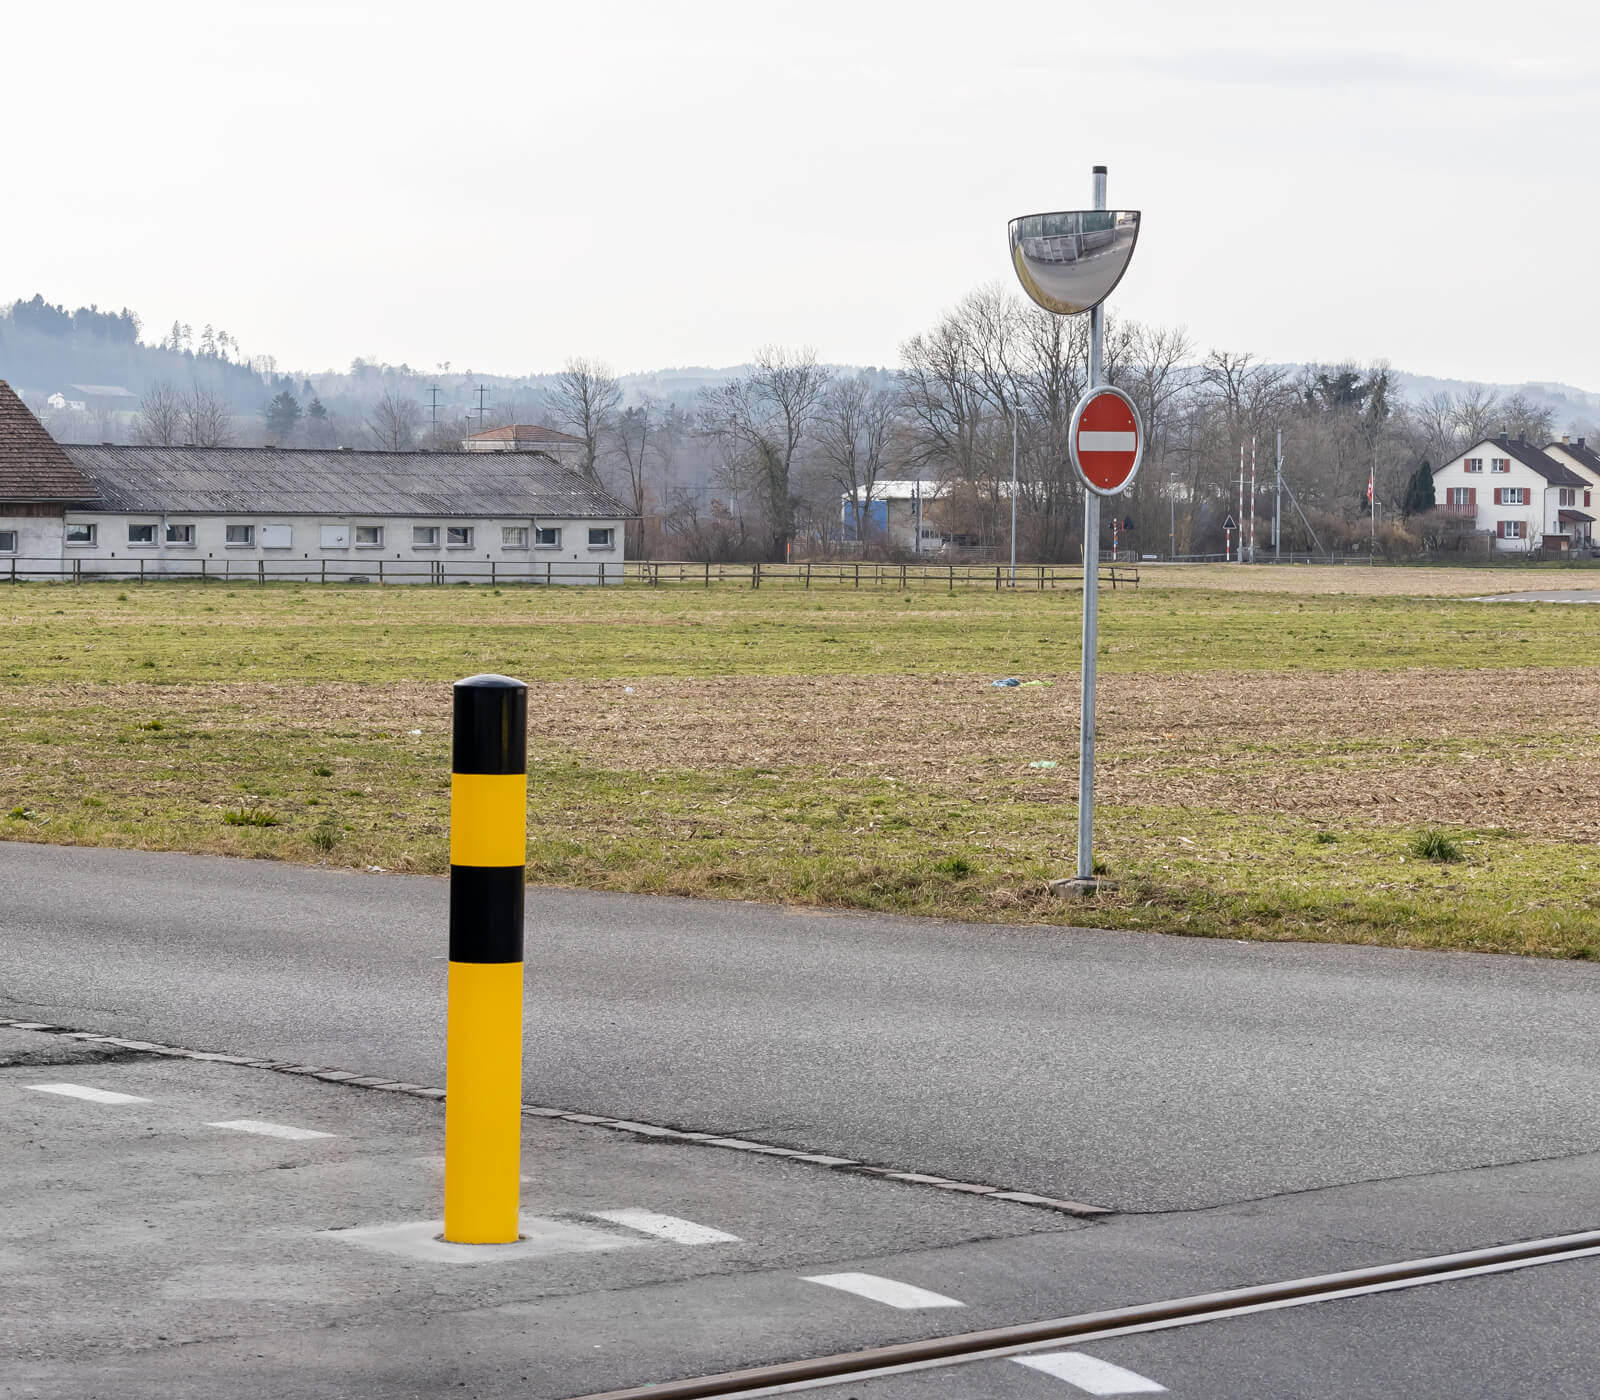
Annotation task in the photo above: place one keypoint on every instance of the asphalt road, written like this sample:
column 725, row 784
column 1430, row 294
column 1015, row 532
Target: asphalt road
column 1520, row 1334
column 1133, row 1071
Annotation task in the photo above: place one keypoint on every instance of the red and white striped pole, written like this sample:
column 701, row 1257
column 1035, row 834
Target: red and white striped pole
column 1240, row 516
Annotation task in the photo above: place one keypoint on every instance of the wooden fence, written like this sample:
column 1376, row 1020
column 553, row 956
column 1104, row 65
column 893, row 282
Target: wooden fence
column 647, row 573
column 834, row 574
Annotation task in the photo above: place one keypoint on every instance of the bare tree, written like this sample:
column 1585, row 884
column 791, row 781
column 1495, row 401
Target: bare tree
column 760, row 421
column 1477, row 413
column 855, row 427
column 161, row 416
column 634, row 434
column 584, row 400
column 393, row 421
column 206, row 419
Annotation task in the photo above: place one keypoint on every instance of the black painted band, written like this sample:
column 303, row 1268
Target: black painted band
column 486, row 913
column 491, row 726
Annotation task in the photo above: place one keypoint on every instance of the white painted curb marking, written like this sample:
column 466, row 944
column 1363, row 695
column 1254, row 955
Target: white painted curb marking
column 1090, row 1373
column 277, row 1130
column 665, row 1227
column 82, row 1091
column 885, row 1290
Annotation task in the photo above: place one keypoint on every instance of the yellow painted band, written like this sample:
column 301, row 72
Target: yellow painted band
column 488, row 818
column 483, row 1103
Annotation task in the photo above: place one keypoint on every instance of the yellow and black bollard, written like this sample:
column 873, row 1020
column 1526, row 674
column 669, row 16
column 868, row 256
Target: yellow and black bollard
column 483, row 1042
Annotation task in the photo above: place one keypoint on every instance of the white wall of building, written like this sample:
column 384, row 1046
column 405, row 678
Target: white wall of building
column 288, row 541
column 34, row 535
column 1535, row 515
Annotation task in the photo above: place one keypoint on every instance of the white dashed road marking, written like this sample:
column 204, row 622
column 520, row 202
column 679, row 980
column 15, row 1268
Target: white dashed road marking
column 666, row 1227
column 885, row 1290
column 1089, row 1373
column 82, row 1091
column 277, row 1130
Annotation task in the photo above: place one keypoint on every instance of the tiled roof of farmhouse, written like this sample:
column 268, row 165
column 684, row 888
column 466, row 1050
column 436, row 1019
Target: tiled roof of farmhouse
column 1580, row 451
column 1530, row 456
column 304, row 481
column 525, row 432
column 33, row 466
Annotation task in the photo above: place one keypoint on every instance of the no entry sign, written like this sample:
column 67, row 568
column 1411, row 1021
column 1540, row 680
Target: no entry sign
column 1106, row 440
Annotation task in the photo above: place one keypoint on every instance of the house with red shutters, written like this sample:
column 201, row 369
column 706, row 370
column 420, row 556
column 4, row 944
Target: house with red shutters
column 1578, row 456
column 1521, row 496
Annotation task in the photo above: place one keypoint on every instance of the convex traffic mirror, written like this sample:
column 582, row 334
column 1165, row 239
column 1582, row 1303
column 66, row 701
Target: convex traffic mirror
column 1069, row 261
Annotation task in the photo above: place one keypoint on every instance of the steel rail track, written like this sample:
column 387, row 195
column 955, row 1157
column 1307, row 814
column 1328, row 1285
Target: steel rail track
column 1019, row 1338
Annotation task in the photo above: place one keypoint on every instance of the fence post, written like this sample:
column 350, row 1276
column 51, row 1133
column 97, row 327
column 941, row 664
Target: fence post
column 996, row 578
column 858, row 576
column 755, row 576
column 261, row 571
column 380, row 573
column 808, row 571
column 483, row 1032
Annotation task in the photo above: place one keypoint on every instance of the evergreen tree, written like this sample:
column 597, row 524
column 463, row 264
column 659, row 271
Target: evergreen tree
column 282, row 414
column 1419, row 492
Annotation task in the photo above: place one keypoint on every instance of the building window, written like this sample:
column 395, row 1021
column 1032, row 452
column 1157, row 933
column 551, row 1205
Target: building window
column 1474, row 464
column 1500, row 464
column 277, row 536
column 336, row 537
column 239, row 534
column 1460, row 496
column 599, row 538
column 8, row 541
column 1569, row 496
column 81, row 534
column 1510, row 529
column 369, row 536
column 141, row 534
column 424, row 536
column 548, row 537
column 180, row 534
column 513, row 537
column 458, row 536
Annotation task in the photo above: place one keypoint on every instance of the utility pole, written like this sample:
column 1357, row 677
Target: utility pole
column 1013, row 495
column 1240, row 517
column 433, row 390
column 1277, row 508
column 483, row 393
column 1252, row 498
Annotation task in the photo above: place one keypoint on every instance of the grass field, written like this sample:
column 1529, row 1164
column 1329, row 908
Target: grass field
column 1338, row 754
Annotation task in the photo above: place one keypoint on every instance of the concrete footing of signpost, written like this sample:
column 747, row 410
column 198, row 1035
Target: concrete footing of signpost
column 1079, row 885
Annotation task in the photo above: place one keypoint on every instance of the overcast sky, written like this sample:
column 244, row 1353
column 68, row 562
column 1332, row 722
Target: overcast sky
column 503, row 185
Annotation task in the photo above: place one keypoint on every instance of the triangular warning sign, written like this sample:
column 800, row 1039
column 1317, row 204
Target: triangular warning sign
column 1230, row 524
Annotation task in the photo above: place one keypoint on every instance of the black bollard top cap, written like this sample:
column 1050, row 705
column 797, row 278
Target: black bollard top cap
column 491, row 726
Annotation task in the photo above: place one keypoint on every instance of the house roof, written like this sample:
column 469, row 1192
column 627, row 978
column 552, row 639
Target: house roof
column 1570, row 517
column 1530, row 456
column 525, row 432
column 33, row 466
column 307, row 481
column 1580, row 451
column 105, row 391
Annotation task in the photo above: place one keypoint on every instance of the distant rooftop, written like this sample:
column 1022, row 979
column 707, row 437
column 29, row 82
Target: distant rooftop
column 105, row 391
column 526, row 432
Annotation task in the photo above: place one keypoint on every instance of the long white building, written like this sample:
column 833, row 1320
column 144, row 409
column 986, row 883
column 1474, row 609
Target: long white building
column 285, row 513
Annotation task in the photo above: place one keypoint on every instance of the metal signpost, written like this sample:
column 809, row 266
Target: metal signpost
column 1069, row 262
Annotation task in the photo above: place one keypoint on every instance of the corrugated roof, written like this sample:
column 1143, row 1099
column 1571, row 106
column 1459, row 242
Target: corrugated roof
column 526, row 432
column 33, row 466
column 307, row 481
